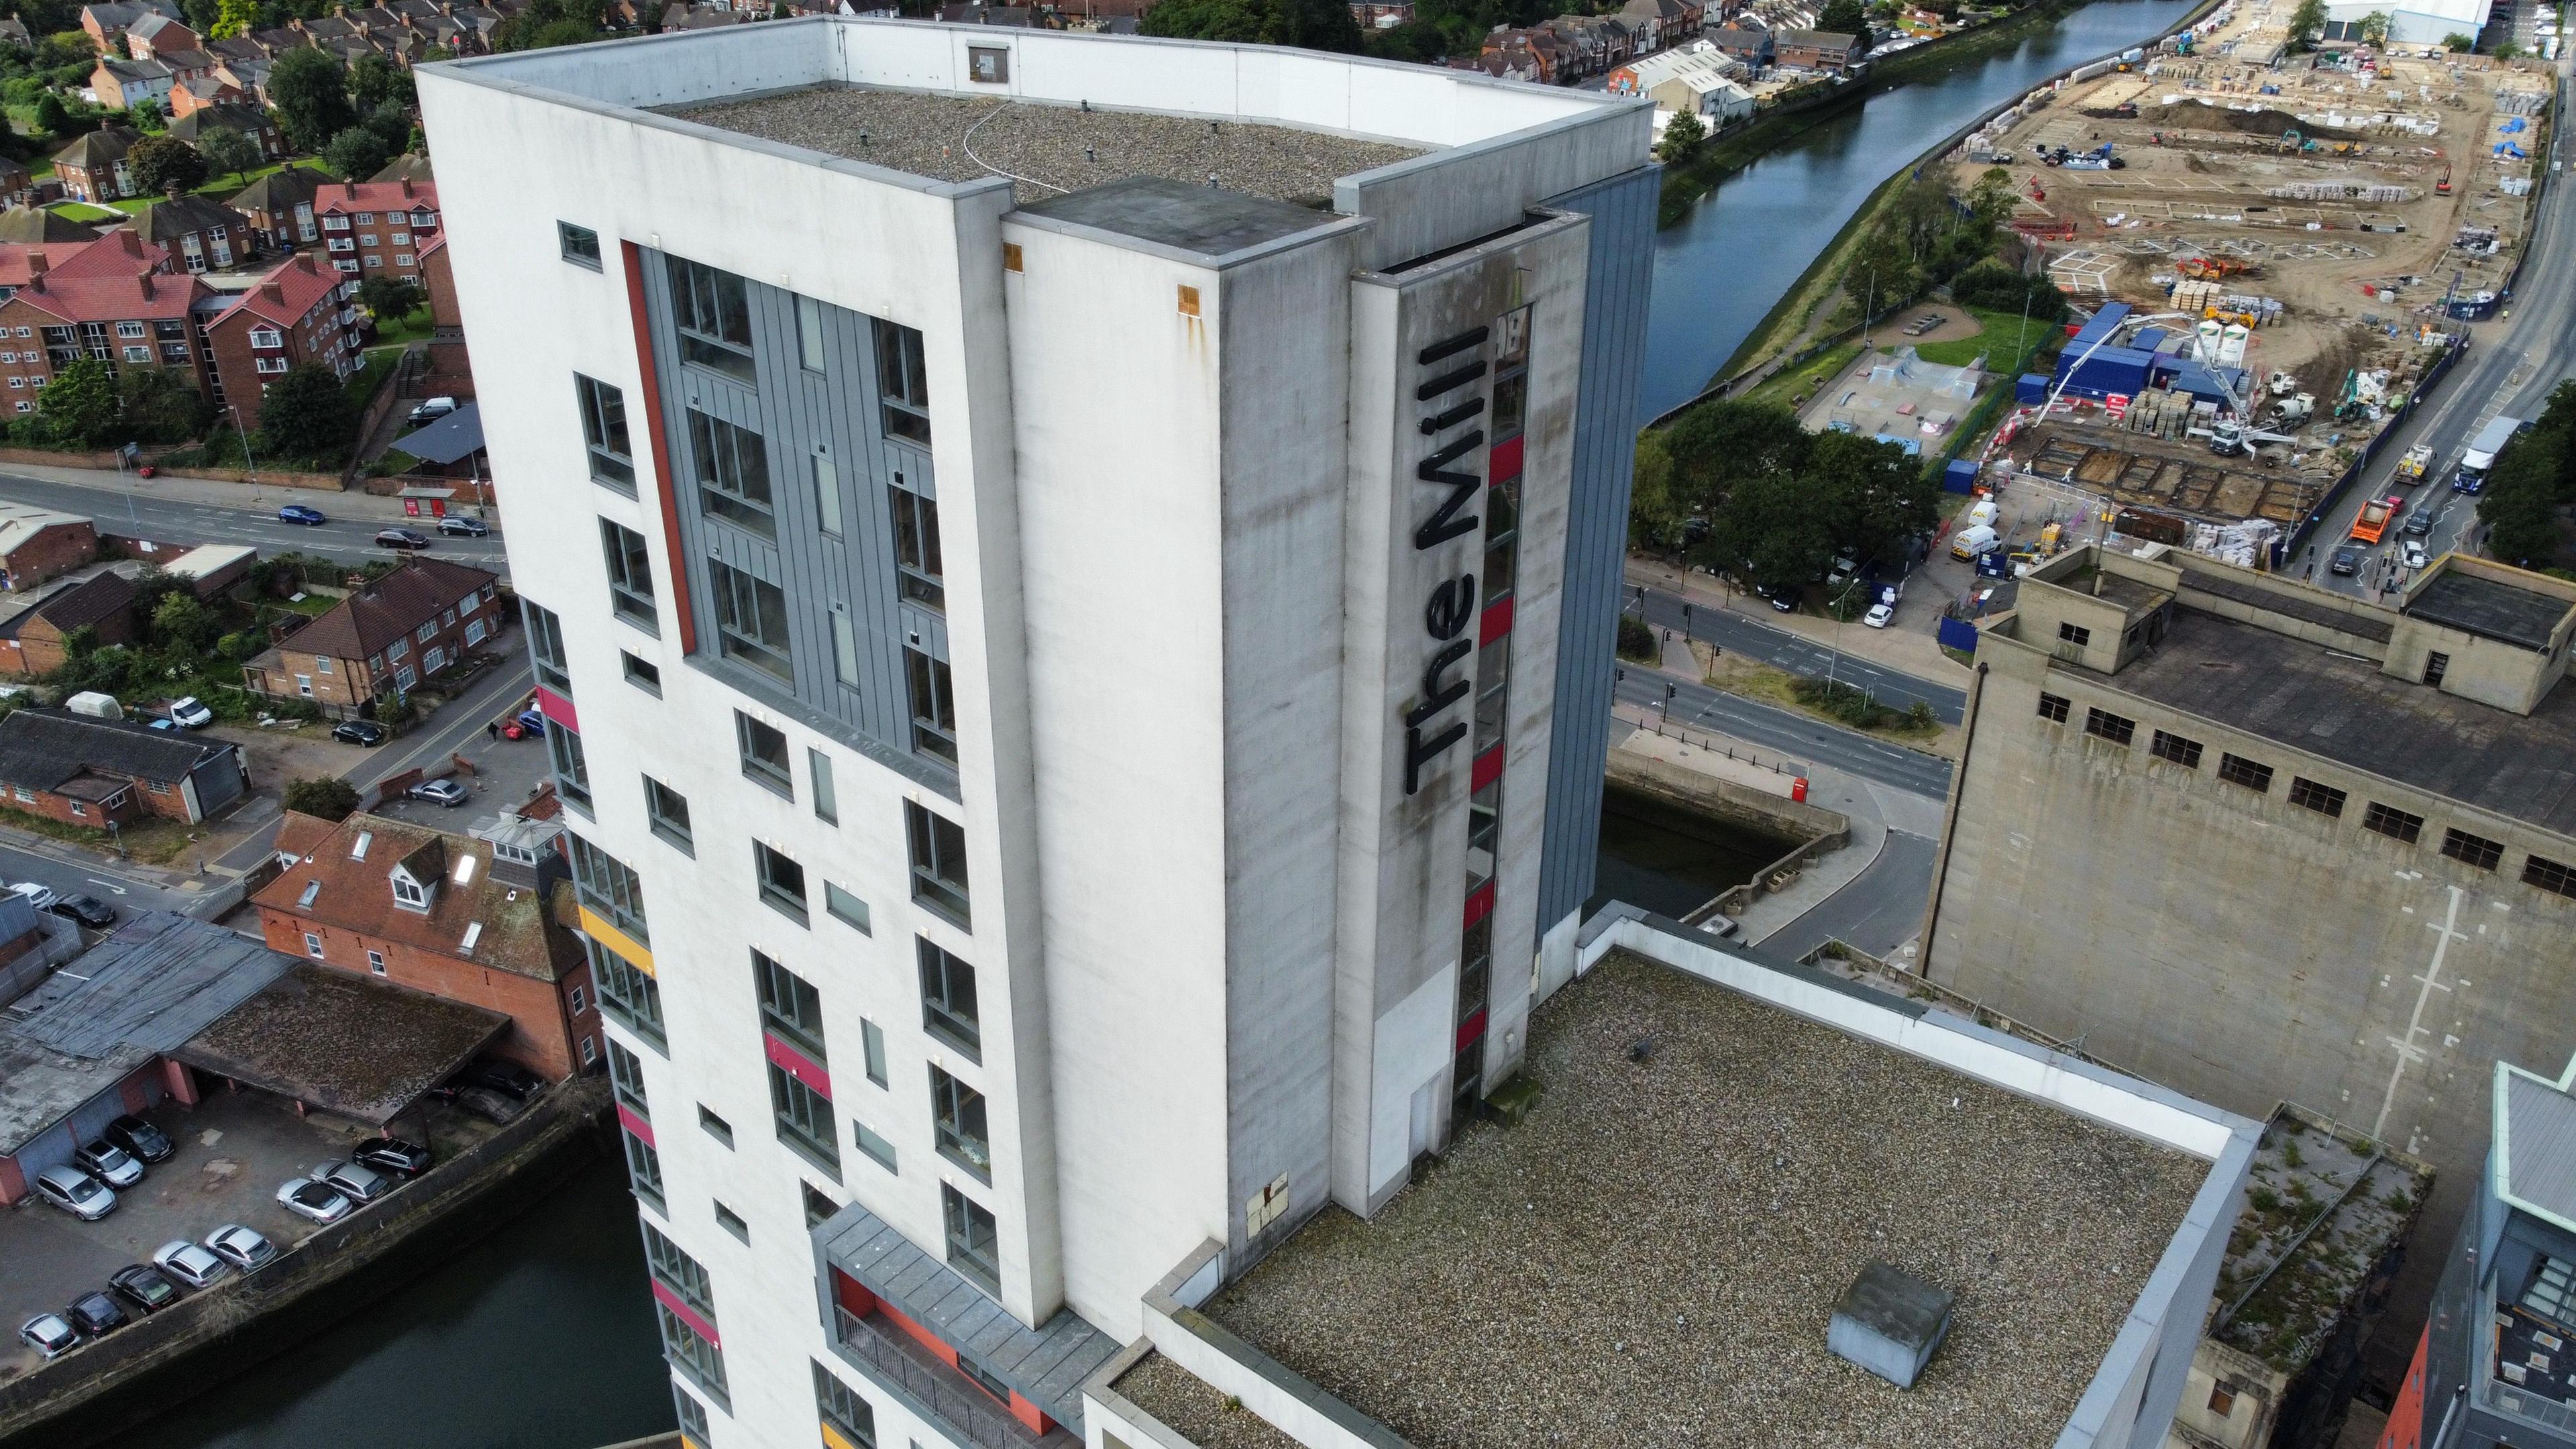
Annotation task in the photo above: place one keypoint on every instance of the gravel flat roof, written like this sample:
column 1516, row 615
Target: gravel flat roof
column 1052, row 149
column 1651, row 1256
column 1184, row 1402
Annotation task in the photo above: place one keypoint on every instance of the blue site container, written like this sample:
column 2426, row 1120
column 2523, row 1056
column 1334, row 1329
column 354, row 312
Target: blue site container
column 2030, row 388
column 1961, row 474
column 2109, row 370
column 2103, row 324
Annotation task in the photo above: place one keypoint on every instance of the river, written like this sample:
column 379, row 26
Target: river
column 1720, row 270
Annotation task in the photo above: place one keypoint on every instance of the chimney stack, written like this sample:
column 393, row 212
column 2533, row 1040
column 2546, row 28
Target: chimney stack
column 36, row 263
column 273, row 292
column 143, row 279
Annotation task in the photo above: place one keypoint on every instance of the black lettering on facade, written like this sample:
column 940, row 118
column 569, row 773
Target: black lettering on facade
column 1453, row 602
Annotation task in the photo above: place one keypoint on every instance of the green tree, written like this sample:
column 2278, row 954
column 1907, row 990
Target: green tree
column 1310, row 24
column 79, row 405
column 357, row 153
column 2459, row 44
column 158, row 163
column 311, row 93
column 1717, row 446
column 51, row 118
column 158, row 408
column 1683, row 137
column 2522, row 528
column 235, row 19
column 375, row 81
column 391, row 299
column 2307, row 23
column 1846, row 17
column 182, row 624
column 307, row 415
column 1770, row 533
column 328, row 796
column 1872, row 496
column 1654, row 520
column 227, row 152
column 2374, row 28
column 145, row 116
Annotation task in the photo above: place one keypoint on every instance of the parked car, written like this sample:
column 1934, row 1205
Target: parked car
column 430, row 410
column 140, row 1138
column 393, row 1155
column 464, row 527
column 508, row 1078
column 50, row 1334
column 2347, row 561
column 319, row 1201
column 357, row 1183
column 96, row 1315
column 40, row 896
column 189, row 713
column 300, row 513
column 402, row 538
column 189, row 1263
column 90, row 911
column 527, row 724
column 1879, row 615
column 108, row 1163
column 75, row 1192
column 489, row 1105
column 440, row 791
column 360, row 732
column 144, row 1287
column 247, row 1249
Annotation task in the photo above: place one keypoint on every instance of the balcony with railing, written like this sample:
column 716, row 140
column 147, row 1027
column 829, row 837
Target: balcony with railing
column 2540, row 1399
column 928, row 1387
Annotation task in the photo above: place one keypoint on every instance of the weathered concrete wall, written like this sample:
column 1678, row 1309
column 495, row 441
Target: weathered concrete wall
column 1702, row 793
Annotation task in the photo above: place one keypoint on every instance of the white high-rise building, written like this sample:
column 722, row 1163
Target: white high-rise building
column 1072, row 579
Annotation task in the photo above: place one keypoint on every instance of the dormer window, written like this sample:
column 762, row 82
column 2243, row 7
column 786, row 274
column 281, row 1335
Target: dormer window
column 408, row 892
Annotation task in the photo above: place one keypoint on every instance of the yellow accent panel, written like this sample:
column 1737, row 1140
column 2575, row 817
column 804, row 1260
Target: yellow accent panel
column 616, row 940
column 832, row 1438
column 688, row 1443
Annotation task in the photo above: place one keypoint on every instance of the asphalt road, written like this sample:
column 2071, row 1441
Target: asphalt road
column 139, row 510
column 2511, row 366
column 1878, row 911
column 1772, row 728
column 1784, row 650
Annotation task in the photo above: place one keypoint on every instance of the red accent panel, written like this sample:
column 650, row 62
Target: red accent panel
column 796, row 1064
column 920, row 1335
column 1489, row 768
column 688, row 1315
column 1506, row 462
column 1470, row 1029
column 655, row 429
column 557, row 709
column 1480, row 905
column 852, row 1295
column 1496, row 623
column 633, row 1121
column 2406, row 1417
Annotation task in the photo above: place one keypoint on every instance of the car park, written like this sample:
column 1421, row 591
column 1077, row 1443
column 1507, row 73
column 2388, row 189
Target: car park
column 247, row 1249
column 489, row 1105
column 144, row 1287
column 358, row 1183
column 430, row 410
column 392, row 1155
column 402, row 538
column 319, row 1201
column 441, row 791
column 108, row 1163
column 96, row 1315
column 190, row 713
column 50, row 1334
column 301, row 514
column 75, row 1192
column 189, row 1263
column 40, row 896
column 360, row 732
column 508, row 1078
column 2347, row 561
column 140, row 1138
column 90, row 911
column 464, row 527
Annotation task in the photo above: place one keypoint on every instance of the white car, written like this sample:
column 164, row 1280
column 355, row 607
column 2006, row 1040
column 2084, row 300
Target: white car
column 188, row 713
column 189, row 1263
column 308, row 1198
column 41, row 896
column 1879, row 615
column 245, row 1248
column 2413, row 555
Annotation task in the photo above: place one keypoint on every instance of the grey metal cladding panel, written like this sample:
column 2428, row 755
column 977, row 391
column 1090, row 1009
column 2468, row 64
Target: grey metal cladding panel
column 2540, row 1146
column 1616, row 294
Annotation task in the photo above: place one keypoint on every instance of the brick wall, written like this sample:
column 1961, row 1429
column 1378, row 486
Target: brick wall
column 89, row 814
column 54, row 549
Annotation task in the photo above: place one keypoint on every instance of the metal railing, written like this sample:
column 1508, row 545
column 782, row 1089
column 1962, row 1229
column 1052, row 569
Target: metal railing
column 936, row 1391
column 2505, row 1398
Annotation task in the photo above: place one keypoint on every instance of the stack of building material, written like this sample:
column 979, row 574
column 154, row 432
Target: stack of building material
column 2159, row 412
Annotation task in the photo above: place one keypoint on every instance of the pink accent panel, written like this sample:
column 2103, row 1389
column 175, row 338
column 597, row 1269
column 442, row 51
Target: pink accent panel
column 557, row 709
column 634, row 1122
column 795, row 1064
column 688, row 1315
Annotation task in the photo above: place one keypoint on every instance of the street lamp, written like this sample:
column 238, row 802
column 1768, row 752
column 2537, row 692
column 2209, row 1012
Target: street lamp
column 250, row 465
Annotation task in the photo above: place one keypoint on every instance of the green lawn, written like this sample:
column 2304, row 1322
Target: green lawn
column 415, row 328
column 1790, row 384
column 2006, row 343
column 82, row 211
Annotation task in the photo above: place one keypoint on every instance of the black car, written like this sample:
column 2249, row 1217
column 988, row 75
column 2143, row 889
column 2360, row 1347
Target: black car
column 2346, row 561
column 140, row 1138
column 2418, row 523
column 493, row 1107
column 508, row 1078
column 90, row 911
column 144, row 1287
column 393, row 1155
column 464, row 527
column 360, row 732
column 402, row 538
column 96, row 1315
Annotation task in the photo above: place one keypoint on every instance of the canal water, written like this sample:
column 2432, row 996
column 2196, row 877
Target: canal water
column 1720, row 270
column 541, row 1336
column 1669, row 862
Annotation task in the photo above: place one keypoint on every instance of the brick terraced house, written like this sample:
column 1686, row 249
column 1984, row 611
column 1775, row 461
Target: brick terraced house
column 93, row 772
column 34, row 641
column 404, row 627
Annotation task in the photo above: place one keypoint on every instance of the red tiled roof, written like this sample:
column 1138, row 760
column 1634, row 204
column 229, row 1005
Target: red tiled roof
column 511, row 928
column 286, row 294
column 105, row 297
column 299, row 834
column 119, row 253
column 361, row 625
column 352, row 196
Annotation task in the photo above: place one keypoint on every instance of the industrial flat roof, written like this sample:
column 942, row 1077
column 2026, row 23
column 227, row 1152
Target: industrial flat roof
column 2489, row 608
column 2307, row 605
column 1652, row 1255
column 1202, row 219
column 1050, row 149
column 2322, row 1209
column 349, row 1044
column 2341, row 707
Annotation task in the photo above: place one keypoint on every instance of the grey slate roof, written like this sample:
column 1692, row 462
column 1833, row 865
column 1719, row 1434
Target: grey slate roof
column 1047, row 1365
column 41, row 748
column 2535, row 1147
column 160, row 980
column 455, row 436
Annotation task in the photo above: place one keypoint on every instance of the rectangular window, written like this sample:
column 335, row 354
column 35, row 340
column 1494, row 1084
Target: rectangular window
column 948, row 999
column 2474, row 850
column 674, row 1269
column 985, row 1379
column 713, row 312
column 974, row 1242
column 872, row 1050
column 2106, row 725
column 715, row 1126
column 546, row 647
column 572, row 770
column 934, row 711
column 699, row 1361
column 693, row 1417
column 312, row 945
column 609, row 888
column 879, row 1150
column 2549, row 875
column 938, row 850
column 846, row 908
column 376, row 962
column 632, row 999
column 845, row 647
column 789, row 1005
column 2237, row 770
column 731, row 1222
column 667, row 811
column 810, row 325
column 2183, row 752
column 603, row 430
column 643, row 1166
column 902, row 387
column 804, row 1120
column 630, row 575
column 2435, row 666
column 2074, row 635
column 626, row 1073
column 2323, row 799
column 916, row 548
column 2392, row 822
column 819, row 1209
column 843, row 1409
column 2053, row 707
column 751, row 621
column 782, row 882
column 763, row 749
column 642, row 673
column 827, row 796
column 827, row 493
column 733, row 474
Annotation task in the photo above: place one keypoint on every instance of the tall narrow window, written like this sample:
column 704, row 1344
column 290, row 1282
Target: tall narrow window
column 901, row 385
column 546, row 646
column 845, row 647
column 609, row 888
column 674, row 1269
column 948, row 1000
column 938, row 847
column 843, row 1409
column 603, row 430
column 827, row 494
column 572, row 768
column 643, row 1166
column 916, row 548
column 712, row 310
column 626, row 1074
column 764, row 754
column 789, row 1005
column 934, row 713
column 957, row 1119
column 1484, row 822
column 827, row 797
column 632, row 999
column 751, row 620
column 630, row 575
column 872, row 1051
column 974, row 1241
column 804, row 1120
column 733, row 474
column 689, row 1351
column 810, row 322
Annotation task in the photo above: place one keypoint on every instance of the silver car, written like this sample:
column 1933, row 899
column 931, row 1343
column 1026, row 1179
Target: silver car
column 245, row 1248
column 75, row 1192
column 357, row 1182
column 49, row 1334
column 108, row 1163
column 319, row 1201
column 188, row 1263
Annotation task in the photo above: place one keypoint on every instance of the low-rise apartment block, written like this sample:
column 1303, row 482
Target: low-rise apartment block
column 92, row 167
column 295, row 314
column 377, row 228
column 409, row 625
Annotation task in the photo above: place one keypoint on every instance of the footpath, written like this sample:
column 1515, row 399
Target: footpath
column 209, row 492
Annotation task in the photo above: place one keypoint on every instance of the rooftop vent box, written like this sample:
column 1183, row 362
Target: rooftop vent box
column 1889, row 1322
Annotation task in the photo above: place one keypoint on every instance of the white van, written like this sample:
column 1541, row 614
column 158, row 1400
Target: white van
column 1975, row 543
column 1982, row 515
